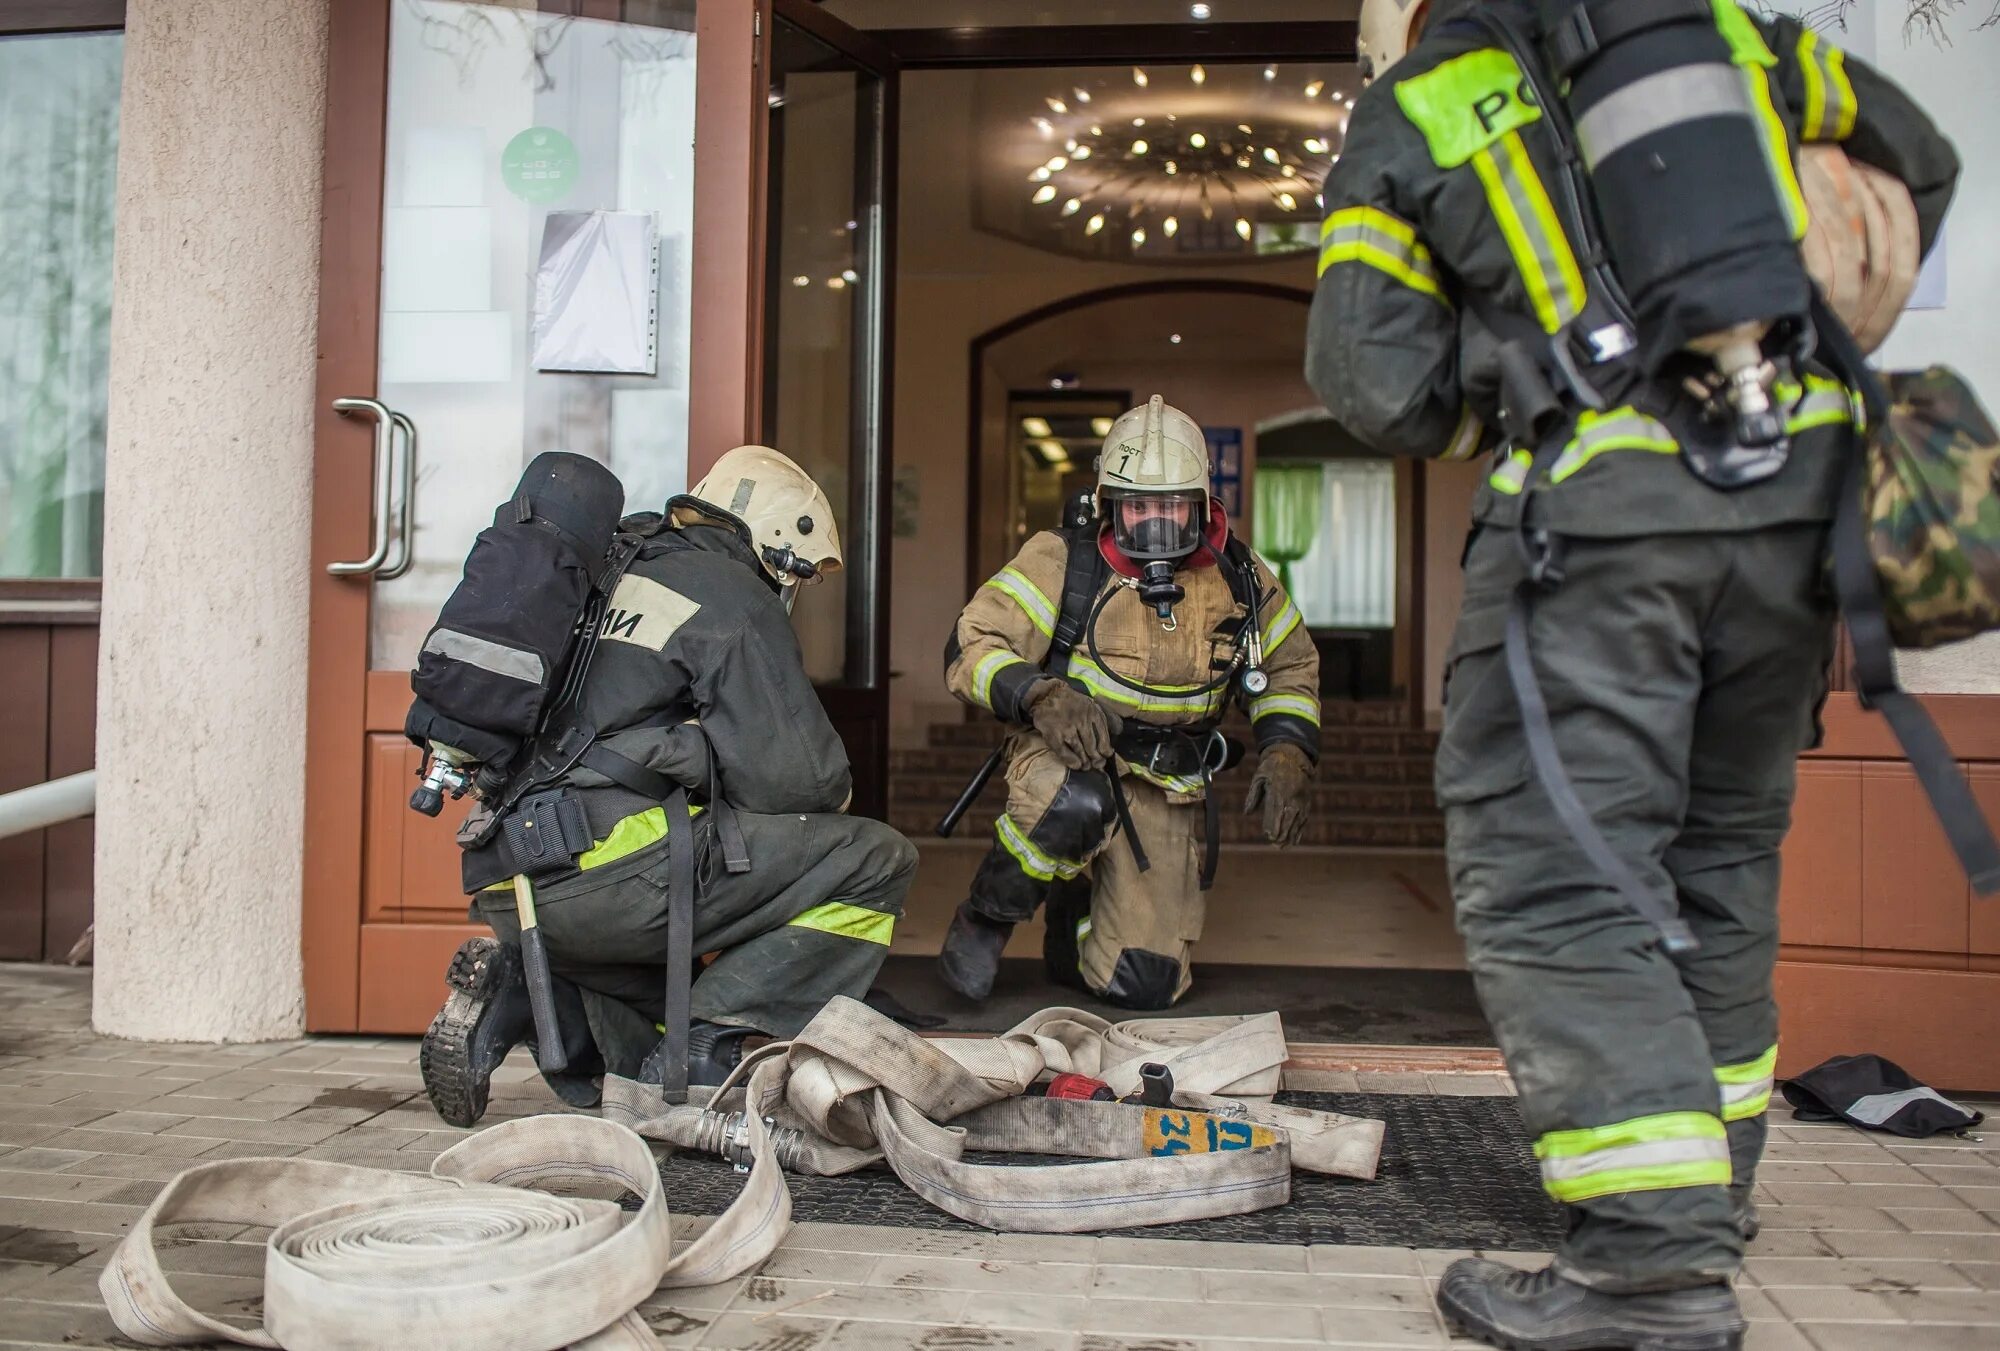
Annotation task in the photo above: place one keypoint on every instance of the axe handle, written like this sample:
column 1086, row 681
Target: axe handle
column 549, row 1054
column 971, row 794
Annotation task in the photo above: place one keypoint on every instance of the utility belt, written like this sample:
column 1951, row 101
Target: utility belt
column 1188, row 751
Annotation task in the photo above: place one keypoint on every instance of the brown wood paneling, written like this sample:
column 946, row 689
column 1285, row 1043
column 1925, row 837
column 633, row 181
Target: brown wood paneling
column 72, row 750
column 1970, row 724
column 349, row 296
column 1913, row 894
column 382, row 858
column 402, row 973
column 1985, row 922
column 1819, row 901
column 388, row 699
column 1941, row 1026
column 24, row 762
column 61, row 16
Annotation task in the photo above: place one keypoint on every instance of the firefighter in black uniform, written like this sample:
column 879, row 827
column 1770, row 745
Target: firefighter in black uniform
column 1681, row 656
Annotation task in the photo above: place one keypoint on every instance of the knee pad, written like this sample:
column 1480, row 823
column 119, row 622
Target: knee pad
column 1143, row 980
column 1079, row 816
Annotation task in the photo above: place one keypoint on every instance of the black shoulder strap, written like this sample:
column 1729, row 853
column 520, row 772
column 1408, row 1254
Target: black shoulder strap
column 1082, row 578
column 1239, row 568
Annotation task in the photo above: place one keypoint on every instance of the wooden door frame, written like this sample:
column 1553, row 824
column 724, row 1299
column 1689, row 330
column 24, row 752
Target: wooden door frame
column 724, row 374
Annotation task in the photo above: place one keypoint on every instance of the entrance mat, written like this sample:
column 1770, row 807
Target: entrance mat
column 1456, row 1173
column 1376, row 1006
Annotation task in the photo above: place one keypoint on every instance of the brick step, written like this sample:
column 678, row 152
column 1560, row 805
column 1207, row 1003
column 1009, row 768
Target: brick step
column 1343, row 831
column 936, row 792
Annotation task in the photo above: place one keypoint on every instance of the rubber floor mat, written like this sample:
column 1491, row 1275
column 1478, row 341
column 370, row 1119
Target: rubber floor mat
column 1456, row 1173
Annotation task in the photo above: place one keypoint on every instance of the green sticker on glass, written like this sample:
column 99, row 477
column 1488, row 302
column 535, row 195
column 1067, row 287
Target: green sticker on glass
column 539, row 165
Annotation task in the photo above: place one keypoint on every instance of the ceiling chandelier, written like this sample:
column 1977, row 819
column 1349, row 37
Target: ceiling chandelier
column 1213, row 175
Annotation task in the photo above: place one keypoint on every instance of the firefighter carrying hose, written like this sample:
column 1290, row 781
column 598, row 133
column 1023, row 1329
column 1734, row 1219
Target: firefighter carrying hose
column 1645, row 631
column 698, row 683
column 1114, row 646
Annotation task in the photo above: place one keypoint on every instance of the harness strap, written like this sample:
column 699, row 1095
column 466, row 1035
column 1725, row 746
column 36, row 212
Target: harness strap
column 680, row 946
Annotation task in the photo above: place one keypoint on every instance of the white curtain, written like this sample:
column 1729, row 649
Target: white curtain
column 58, row 158
column 1347, row 580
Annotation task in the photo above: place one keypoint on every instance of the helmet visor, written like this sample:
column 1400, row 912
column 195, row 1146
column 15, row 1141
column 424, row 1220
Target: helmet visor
column 1154, row 526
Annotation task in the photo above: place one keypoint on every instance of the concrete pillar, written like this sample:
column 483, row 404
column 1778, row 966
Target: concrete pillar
column 202, row 685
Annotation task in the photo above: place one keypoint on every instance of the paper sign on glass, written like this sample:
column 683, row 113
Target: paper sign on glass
column 597, row 293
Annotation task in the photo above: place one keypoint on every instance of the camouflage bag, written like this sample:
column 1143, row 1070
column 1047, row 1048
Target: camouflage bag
column 1932, row 505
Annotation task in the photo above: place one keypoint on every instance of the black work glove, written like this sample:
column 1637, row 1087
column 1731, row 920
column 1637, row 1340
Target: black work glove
column 1283, row 787
column 1076, row 727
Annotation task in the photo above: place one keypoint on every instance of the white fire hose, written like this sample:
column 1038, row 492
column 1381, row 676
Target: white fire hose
column 466, row 1258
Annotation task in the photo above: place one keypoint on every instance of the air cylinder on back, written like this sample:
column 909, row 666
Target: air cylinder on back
column 1678, row 142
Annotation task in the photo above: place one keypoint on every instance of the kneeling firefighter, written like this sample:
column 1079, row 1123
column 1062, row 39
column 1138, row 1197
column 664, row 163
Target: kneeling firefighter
column 1115, row 645
column 691, row 767
column 1577, row 224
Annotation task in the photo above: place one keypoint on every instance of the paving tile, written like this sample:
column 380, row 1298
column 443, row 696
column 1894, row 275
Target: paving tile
column 284, row 1132
column 1866, row 1337
column 1469, row 1085
column 1775, row 1337
column 1013, row 1310
column 1980, row 1308
column 1916, row 1221
column 1350, row 1260
column 81, row 1217
column 1377, row 1081
column 34, row 1158
column 1405, row 1294
column 48, row 1186
column 128, row 1166
column 1941, row 1247
column 1200, row 1254
column 1780, row 1170
column 1148, row 1318
column 14, row 1276
column 125, row 1142
column 1853, row 1194
column 766, row 1332
column 881, row 1239
column 951, row 1273
column 1833, row 1304
column 1370, row 1327
column 762, row 1294
column 811, row 1264
column 1172, row 1284
column 866, row 1336
column 47, row 1114
column 1780, row 1218
column 1774, row 1272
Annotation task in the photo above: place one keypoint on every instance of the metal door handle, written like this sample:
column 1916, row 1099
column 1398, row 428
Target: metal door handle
column 406, row 514
column 384, row 453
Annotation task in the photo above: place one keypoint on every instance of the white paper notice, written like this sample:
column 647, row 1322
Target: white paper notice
column 597, row 293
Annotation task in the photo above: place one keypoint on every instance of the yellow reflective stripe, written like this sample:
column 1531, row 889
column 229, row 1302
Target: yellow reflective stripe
column 1616, row 429
column 1830, row 104
column 1036, row 864
column 1173, row 783
column 1648, row 1153
column 1013, row 582
column 629, row 836
column 849, row 921
column 1361, row 251
column 1527, row 221
column 1280, row 627
column 1293, row 705
column 1365, row 234
column 1819, row 402
column 1465, row 438
column 1777, row 150
column 1082, row 929
column 1372, row 218
column 1746, row 1088
column 1103, row 685
column 1746, row 41
column 1510, row 476
column 990, row 665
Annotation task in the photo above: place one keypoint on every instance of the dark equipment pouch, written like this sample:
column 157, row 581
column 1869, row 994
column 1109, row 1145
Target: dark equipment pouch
column 545, row 832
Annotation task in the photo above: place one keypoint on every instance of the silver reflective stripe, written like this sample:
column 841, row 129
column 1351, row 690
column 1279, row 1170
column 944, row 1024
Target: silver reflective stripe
column 1657, row 102
column 1879, row 1107
column 1648, row 1155
column 487, row 655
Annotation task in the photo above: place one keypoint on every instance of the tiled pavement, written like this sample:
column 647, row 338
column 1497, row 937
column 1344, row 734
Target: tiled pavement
column 1867, row 1243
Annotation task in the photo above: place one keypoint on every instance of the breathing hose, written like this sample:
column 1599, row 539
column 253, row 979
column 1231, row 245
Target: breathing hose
column 1097, row 658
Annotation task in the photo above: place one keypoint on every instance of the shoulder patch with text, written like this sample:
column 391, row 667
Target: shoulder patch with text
column 644, row 613
column 1467, row 103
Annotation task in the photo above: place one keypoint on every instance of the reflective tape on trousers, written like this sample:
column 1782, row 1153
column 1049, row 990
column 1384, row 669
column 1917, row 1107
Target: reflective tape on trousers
column 1657, row 102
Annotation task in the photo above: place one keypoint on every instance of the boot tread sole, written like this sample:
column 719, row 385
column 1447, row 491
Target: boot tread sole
column 445, row 1059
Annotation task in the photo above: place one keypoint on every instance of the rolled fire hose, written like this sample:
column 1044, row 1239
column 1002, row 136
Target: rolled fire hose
column 465, row 1258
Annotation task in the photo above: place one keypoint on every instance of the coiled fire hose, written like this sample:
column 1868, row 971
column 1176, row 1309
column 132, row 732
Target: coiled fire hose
column 466, row 1257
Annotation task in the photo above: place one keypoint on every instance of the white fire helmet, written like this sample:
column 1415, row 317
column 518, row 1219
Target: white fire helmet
column 1152, row 482
column 1388, row 31
column 790, row 520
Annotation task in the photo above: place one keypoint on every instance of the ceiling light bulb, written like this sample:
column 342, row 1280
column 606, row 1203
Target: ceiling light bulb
column 1082, row 95
column 1100, row 426
column 1198, row 141
column 1083, row 152
column 1242, row 161
column 1094, row 224
column 1315, row 145
column 1138, row 77
column 1270, row 155
column 1070, row 145
column 1312, row 90
column 849, row 275
column 1057, row 164
column 1287, row 170
column 1072, row 206
column 1174, row 338
column 1138, row 236
column 1348, row 101
column 1171, row 225
column 1138, row 121
column 1044, row 194
column 1244, row 127
column 837, row 283
column 1270, row 72
column 1199, row 12
column 1319, row 200
column 1242, row 227
column 1096, row 130
column 1041, row 174
column 1172, row 168
column 1036, row 426
column 1044, row 126
column 1056, row 105
column 802, row 281
column 1287, row 201
column 1140, row 147
column 1198, row 75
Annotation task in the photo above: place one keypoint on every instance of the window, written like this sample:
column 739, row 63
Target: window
column 1329, row 527
column 58, row 160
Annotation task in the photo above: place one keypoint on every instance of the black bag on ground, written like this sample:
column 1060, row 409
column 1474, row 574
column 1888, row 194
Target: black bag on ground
column 1877, row 1095
column 493, row 664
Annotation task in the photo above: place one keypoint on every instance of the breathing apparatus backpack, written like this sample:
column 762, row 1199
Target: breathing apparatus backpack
column 511, row 643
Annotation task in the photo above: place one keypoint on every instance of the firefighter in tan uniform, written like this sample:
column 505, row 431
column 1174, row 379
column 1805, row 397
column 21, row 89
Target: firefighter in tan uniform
column 1114, row 647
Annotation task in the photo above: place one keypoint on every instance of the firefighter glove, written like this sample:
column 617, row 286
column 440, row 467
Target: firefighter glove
column 1076, row 727
column 1283, row 788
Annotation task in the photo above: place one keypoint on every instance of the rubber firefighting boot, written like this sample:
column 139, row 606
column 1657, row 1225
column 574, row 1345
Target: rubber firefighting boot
column 713, row 1051
column 1540, row 1311
column 485, row 1015
column 970, row 958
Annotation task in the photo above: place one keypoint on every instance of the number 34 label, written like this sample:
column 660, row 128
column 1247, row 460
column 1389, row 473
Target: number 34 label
column 1171, row 1132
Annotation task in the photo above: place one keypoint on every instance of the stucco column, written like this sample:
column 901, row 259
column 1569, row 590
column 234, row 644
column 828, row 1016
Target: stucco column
column 202, row 684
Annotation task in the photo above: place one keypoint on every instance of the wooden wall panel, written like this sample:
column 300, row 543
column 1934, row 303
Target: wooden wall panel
column 67, row 857
column 1941, row 1026
column 1913, row 892
column 402, row 973
column 1984, row 928
column 24, row 762
column 410, row 868
column 1819, row 902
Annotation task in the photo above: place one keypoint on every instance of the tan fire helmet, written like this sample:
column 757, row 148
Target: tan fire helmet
column 1861, row 244
column 1152, row 482
column 790, row 520
column 1388, row 30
